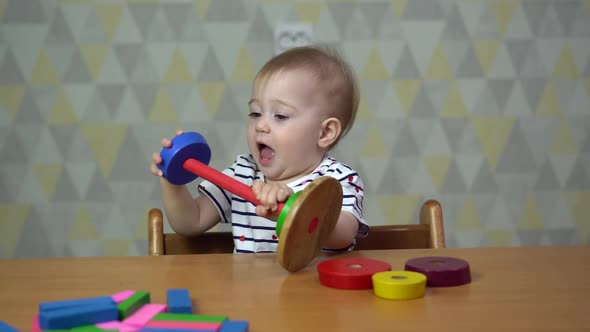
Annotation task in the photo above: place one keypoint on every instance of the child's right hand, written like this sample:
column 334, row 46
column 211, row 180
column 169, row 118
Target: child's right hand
column 157, row 159
column 269, row 194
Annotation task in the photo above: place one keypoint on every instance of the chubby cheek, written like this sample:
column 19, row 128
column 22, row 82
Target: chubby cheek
column 252, row 144
column 300, row 148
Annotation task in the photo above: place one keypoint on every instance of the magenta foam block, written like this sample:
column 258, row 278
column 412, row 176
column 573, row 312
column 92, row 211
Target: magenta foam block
column 35, row 325
column 441, row 271
column 122, row 296
column 144, row 314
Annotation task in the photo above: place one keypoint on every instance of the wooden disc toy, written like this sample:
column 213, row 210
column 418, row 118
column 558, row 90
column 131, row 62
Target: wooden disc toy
column 399, row 285
column 441, row 271
column 350, row 273
column 305, row 221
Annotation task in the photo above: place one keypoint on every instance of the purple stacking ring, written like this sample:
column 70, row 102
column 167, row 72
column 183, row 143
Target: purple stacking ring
column 441, row 271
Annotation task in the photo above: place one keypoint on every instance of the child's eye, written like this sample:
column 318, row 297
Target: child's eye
column 281, row 117
column 254, row 115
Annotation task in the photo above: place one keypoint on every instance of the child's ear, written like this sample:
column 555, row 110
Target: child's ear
column 331, row 129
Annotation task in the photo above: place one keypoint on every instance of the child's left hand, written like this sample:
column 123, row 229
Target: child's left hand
column 269, row 195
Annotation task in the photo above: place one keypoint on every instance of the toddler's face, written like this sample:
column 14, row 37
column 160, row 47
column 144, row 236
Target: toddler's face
column 285, row 123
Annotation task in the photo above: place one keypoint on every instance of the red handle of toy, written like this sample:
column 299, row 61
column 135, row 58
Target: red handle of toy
column 228, row 183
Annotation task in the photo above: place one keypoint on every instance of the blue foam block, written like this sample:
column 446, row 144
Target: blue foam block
column 70, row 317
column 179, row 301
column 234, row 326
column 4, row 327
column 48, row 306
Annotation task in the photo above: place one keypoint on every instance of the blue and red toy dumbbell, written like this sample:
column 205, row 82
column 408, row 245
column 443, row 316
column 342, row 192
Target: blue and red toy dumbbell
column 308, row 216
column 187, row 159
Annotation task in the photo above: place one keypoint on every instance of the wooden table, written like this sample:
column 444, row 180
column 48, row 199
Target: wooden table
column 521, row 288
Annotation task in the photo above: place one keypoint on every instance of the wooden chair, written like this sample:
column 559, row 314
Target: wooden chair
column 428, row 233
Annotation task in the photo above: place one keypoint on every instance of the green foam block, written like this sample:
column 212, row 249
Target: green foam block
column 134, row 302
column 89, row 328
column 189, row 318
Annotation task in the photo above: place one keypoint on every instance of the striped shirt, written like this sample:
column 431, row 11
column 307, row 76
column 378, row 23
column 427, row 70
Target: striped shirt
column 253, row 233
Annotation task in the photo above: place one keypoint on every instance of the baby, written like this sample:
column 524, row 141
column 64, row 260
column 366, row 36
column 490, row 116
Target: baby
column 303, row 102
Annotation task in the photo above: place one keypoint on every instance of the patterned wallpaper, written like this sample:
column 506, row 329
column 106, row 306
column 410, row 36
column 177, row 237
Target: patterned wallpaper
column 481, row 104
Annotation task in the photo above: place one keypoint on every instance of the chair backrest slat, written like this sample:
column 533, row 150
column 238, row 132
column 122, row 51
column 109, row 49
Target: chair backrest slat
column 395, row 237
column 208, row 243
column 429, row 233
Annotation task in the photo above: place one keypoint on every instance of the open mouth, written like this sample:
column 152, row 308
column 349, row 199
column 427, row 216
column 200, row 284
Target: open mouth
column 266, row 154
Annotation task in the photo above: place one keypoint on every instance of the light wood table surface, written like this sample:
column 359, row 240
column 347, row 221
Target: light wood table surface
column 513, row 289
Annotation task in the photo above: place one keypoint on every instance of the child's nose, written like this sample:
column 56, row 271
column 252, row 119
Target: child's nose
column 262, row 125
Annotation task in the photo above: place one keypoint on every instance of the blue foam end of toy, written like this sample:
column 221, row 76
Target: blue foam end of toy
column 185, row 146
column 4, row 327
column 53, row 305
column 234, row 326
column 179, row 301
column 70, row 317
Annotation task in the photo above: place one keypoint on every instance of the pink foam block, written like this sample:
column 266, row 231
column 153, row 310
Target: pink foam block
column 144, row 314
column 122, row 296
column 35, row 327
column 118, row 326
column 112, row 325
column 129, row 328
column 184, row 325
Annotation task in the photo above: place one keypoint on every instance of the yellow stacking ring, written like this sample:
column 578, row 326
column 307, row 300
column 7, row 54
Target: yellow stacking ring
column 399, row 285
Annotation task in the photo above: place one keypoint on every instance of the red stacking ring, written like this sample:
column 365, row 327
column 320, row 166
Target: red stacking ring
column 441, row 271
column 350, row 273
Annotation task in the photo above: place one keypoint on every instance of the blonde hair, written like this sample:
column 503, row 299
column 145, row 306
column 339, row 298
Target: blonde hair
column 330, row 69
